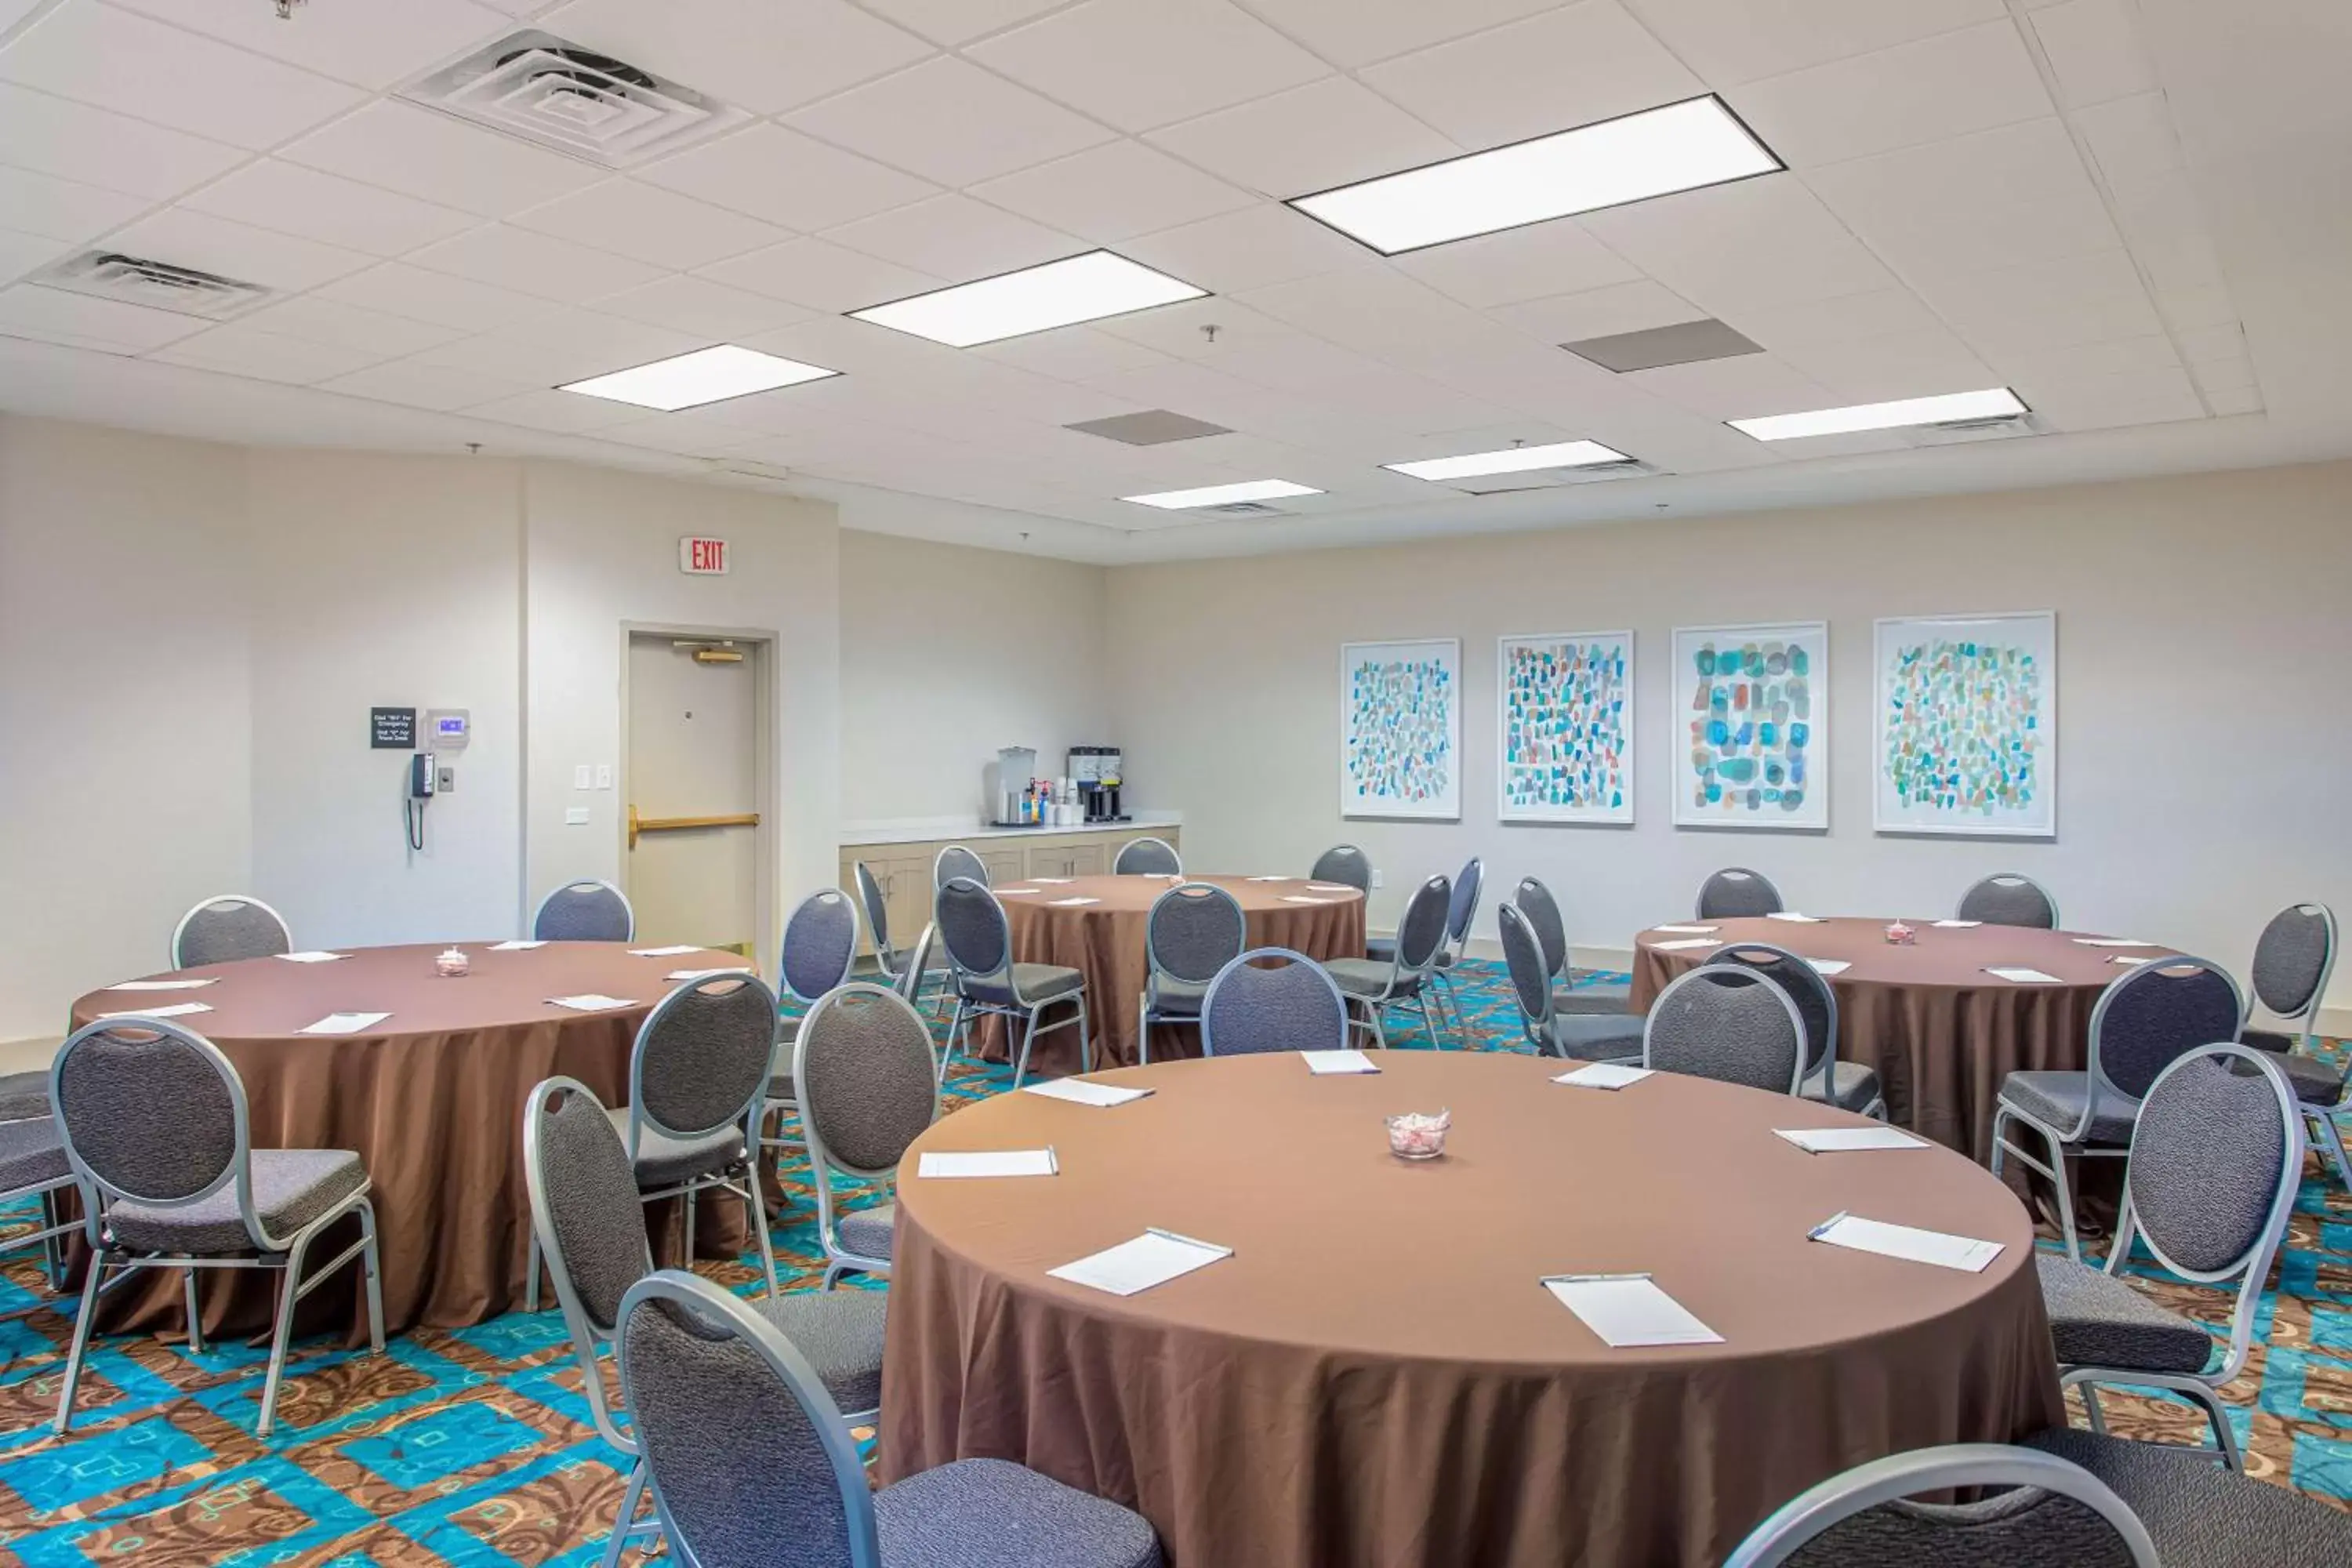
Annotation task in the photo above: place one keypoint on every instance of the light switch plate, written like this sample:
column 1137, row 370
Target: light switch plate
column 604, row 775
column 580, row 777
column 1376, row 880
column 575, row 816
column 445, row 779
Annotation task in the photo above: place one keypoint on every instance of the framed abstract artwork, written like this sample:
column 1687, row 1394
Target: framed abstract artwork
column 1564, row 727
column 1401, row 729
column 1967, row 725
column 1751, row 729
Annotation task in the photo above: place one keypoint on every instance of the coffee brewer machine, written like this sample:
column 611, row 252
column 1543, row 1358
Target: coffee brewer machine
column 1095, row 772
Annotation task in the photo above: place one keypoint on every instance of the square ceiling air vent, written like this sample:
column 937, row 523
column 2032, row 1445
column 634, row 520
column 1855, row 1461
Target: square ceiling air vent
column 1152, row 427
column 158, row 285
column 1684, row 343
column 544, row 90
column 1241, row 509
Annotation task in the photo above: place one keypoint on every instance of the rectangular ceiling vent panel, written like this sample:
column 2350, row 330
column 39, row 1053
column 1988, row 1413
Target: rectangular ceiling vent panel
column 1552, row 478
column 546, row 90
column 158, row 285
column 1241, row 509
column 1962, row 432
column 1654, row 348
column 1151, row 428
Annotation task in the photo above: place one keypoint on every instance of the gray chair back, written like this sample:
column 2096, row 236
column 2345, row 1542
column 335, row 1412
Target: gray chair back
column 2054, row 1514
column 702, row 1057
column 1344, row 863
column 919, row 961
column 954, row 860
column 1196, row 930
column 752, row 1462
column 1146, row 858
column 878, row 917
column 223, row 930
column 1271, row 999
column 591, row 910
column 820, row 945
column 1420, row 935
column 590, row 1223
column 152, row 1112
column 1737, row 893
column 1807, row 987
column 2216, row 1155
column 2152, row 1016
column 2010, row 898
column 2293, row 961
column 1530, row 978
column 1462, row 904
column 867, row 1086
column 1732, row 1025
column 972, row 924
column 1541, row 912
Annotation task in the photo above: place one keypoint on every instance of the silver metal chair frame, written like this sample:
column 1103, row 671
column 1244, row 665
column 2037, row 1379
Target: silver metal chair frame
column 775, row 1107
column 1541, row 1030
column 1820, row 1075
column 1899, row 1475
column 941, row 878
column 1120, row 859
column 1456, row 946
column 1292, row 959
column 53, row 1229
column 822, row 1162
column 226, row 899
column 548, row 897
column 1146, row 1015
column 2061, row 1141
column 969, row 1006
column 2321, row 1118
column 1702, row 976
column 2047, row 897
column 888, row 954
column 285, row 1254
column 1375, row 1008
column 1699, row 904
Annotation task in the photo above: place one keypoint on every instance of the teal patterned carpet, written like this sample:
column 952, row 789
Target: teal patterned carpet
column 474, row 1448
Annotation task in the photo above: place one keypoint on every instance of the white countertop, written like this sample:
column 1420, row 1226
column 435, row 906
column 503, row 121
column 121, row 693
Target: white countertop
column 923, row 832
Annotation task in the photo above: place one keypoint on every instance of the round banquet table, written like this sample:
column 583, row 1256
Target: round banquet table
column 1376, row 1376
column 1105, row 939
column 1940, row 1031
column 431, row 1098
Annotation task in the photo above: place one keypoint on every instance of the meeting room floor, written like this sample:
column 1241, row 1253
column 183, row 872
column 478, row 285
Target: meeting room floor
column 474, row 1446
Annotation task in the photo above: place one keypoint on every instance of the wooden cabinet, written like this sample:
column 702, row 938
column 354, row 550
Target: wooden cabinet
column 1005, row 862
column 906, row 879
column 905, row 870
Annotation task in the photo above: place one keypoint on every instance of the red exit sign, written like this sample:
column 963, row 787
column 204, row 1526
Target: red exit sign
column 704, row 557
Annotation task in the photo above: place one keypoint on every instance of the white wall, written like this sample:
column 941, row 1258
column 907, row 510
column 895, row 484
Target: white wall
column 2201, row 645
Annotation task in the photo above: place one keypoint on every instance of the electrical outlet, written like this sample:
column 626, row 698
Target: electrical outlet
column 1376, row 880
column 580, row 777
column 445, row 779
column 575, row 816
column 604, row 775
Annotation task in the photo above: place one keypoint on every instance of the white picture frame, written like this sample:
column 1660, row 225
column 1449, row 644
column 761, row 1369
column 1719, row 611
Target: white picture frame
column 1773, row 775
column 1564, row 728
column 1976, row 698
column 1401, row 729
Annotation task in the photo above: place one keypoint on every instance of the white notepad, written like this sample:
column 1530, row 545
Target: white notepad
column 1321, row 1062
column 1016, row 892
column 1072, row 903
column 1302, row 899
column 1057, row 882
column 2110, row 941
column 1830, row 965
column 2022, row 976
column 1603, row 1075
column 162, row 984
column 1848, row 1140
column 1629, row 1309
column 1688, row 931
column 1079, row 1092
column 1152, row 1258
column 1329, row 887
column 518, row 945
column 176, row 1010
column 591, row 1002
column 675, row 950
column 312, row 957
column 708, row 973
column 2128, row 958
column 1957, row 925
column 940, row 1165
column 1686, row 942
column 1793, row 916
column 1966, row 1254
column 343, row 1024
column 1270, row 879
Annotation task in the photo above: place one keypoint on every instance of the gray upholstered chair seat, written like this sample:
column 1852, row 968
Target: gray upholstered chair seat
column 663, row 1159
column 31, row 1154
column 1851, row 1087
column 291, row 1188
column 1598, row 996
column 24, row 1095
column 992, row 1513
column 867, row 1232
column 1035, row 981
column 1183, row 997
column 2055, row 1100
column 2201, row 1515
column 1599, row 1037
column 2316, row 1083
column 1370, row 976
column 840, row 1332
column 2098, row 1320
column 1380, row 948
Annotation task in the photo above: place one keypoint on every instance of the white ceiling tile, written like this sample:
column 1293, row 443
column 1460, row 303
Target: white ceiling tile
column 2234, row 400
column 1071, row 353
column 1179, row 329
column 650, row 224
column 24, row 253
column 2092, row 361
column 239, row 350
column 506, row 359
column 2201, row 345
column 272, row 193
column 2032, row 160
column 1329, row 132
column 74, row 141
column 2223, row 374
column 316, row 319
column 373, row 46
column 1600, row 312
column 766, row 55
column 951, row 121
column 952, row 22
column 1555, row 257
column 2132, row 139
column 1113, row 192
column 81, row 321
column 822, row 276
column 1761, row 242
column 679, row 433
column 1881, row 313
column 2044, row 304
column 14, row 11
column 565, row 413
column 1350, row 32
column 62, row 209
column 1377, row 310
column 2136, row 397
column 708, row 310
column 1967, row 240
column 1737, row 388
column 1141, row 63
column 1733, row 41
column 788, row 179
column 529, row 263
column 1944, row 86
column 187, row 238
column 2182, row 261
column 1880, row 370
column 955, row 237
column 400, row 289
column 438, row 159
column 419, row 385
column 2185, row 309
column 118, row 60
column 1249, row 249
column 2094, row 47
column 1564, row 68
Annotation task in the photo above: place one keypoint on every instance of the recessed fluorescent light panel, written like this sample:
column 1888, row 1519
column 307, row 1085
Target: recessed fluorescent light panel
column 1653, row 153
column 1224, row 495
column 1058, row 294
column 706, row 375
column 1511, row 460
column 1993, row 403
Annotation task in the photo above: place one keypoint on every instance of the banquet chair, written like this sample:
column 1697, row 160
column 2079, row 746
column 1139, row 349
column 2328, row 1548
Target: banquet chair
column 1146, row 858
column 1541, row 911
column 819, row 949
column 24, row 1096
column 33, row 1164
column 752, row 1461
column 1737, row 893
column 891, row 958
column 698, row 1081
column 2197, row 1511
column 1461, row 913
column 2050, row 1514
column 1373, row 985
column 154, row 1125
column 954, row 860
column 1735, row 1025
column 2010, row 898
column 1343, row 863
column 868, row 1088
column 585, row 1215
column 1583, row 1036
column 1849, row 1086
column 2216, row 1155
column 1195, row 931
column 223, row 930
column 591, row 910
column 989, row 983
column 1271, row 999
column 2293, row 961
column 2142, row 1023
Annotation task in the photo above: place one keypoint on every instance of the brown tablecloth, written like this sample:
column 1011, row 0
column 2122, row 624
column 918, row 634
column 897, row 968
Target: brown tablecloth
column 1105, row 940
column 1940, row 1031
column 432, row 1099
column 1377, row 1377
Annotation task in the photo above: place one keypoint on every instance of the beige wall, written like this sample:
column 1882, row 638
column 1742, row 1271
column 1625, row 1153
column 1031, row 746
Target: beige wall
column 2201, row 641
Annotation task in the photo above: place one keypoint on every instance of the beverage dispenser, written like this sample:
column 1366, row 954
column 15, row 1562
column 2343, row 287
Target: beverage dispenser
column 1009, row 779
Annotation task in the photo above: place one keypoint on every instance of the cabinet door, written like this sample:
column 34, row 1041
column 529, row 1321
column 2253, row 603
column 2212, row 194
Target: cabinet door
column 907, row 893
column 1047, row 861
column 1004, row 866
column 1085, row 860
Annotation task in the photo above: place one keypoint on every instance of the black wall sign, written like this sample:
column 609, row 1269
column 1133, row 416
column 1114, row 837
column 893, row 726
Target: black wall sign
column 392, row 729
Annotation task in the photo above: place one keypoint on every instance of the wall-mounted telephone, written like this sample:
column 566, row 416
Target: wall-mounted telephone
column 420, row 780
